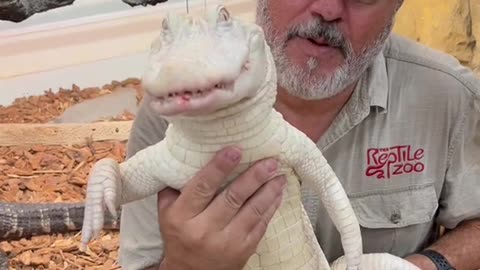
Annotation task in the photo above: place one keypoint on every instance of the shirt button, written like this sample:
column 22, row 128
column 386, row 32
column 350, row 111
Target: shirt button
column 395, row 217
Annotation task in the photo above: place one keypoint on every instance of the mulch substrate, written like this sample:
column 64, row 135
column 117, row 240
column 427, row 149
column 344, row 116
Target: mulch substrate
column 41, row 173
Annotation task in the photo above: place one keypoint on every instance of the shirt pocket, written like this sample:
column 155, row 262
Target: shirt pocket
column 398, row 220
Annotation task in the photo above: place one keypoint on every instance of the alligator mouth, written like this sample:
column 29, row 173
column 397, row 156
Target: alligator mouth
column 199, row 93
column 197, row 99
column 194, row 93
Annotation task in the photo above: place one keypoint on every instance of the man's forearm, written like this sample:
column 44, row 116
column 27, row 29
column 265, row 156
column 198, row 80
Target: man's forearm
column 461, row 247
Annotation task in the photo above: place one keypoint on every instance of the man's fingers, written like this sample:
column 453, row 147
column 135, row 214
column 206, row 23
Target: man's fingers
column 225, row 206
column 259, row 230
column 165, row 198
column 254, row 210
column 199, row 191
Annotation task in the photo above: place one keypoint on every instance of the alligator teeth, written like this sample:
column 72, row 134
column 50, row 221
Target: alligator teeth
column 196, row 92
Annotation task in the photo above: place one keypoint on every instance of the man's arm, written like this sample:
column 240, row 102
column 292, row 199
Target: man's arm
column 460, row 246
column 460, row 198
column 140, row 240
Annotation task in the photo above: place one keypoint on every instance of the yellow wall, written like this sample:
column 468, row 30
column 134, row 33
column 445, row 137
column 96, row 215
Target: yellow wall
column 452, row 26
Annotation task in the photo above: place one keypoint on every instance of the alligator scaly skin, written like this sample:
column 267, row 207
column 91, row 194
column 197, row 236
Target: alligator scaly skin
column 23, row 220
column 3, row 261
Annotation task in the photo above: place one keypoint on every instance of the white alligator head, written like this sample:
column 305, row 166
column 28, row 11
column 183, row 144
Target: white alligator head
column 199, row 65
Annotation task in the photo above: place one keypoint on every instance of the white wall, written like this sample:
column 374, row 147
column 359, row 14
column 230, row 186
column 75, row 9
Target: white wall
column 80, row 8
column 94, row 73
column 87, row 75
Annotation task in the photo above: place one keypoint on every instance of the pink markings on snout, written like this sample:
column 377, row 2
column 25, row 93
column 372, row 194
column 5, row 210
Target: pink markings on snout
column 246, row 66
column 183, row 101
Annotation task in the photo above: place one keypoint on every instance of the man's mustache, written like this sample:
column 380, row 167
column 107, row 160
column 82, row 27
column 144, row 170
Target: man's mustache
column 328, row 32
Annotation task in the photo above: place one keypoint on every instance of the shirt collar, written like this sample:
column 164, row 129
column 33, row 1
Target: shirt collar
column 370, row 95
column 377, row 83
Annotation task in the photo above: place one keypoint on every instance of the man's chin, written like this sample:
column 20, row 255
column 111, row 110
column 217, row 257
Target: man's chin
column 313, row 85
column 318, row 91
column 313, row 95
column 322, row 60
column 313, row 73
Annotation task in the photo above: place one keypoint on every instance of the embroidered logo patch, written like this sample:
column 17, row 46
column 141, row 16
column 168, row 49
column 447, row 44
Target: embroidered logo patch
column 385, row 163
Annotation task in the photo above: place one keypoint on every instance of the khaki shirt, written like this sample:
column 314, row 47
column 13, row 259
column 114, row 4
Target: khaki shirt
column 404, row 148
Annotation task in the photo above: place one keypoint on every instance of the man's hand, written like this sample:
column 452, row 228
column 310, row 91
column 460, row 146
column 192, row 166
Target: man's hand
column 204, row 231
column 459, row 246
column 421, row 261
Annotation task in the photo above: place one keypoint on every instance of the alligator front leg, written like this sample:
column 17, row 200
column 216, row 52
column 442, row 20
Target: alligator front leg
column 111, row 185
column 311, row 166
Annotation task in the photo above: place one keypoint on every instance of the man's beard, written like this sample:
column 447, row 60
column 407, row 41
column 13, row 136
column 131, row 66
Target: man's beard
column 303, row 82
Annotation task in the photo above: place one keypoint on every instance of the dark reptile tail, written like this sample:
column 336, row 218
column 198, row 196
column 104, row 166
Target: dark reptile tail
column 18, row 220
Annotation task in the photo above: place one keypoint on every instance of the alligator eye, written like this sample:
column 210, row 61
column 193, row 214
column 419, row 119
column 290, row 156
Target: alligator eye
column 165, row 24
column 223, row 15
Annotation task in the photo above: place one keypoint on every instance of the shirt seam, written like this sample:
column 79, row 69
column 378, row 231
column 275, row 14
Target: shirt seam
column 456, row 137
column 381, row 192
column 471, row 88
column 474, row 91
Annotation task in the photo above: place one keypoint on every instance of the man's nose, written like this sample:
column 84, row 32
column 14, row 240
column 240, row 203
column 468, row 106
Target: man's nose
column 329, row 10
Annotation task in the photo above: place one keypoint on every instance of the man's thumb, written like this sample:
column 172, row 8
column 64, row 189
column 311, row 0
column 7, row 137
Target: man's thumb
column 165, row 198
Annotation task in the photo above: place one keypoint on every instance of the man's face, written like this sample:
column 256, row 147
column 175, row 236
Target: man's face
column 323, row 46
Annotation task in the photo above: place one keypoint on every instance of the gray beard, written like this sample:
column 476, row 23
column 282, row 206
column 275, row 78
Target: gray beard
column 302, row 82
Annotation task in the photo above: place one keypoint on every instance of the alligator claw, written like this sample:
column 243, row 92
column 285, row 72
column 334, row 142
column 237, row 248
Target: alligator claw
column 103, row 191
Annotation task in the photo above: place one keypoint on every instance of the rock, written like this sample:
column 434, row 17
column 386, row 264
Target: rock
column 18, row 10
column 450, row 26
column 143, row 2
column 475, row 10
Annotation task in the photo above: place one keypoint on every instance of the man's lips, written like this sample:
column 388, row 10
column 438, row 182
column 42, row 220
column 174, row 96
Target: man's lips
column 317, row 47
column 319, row 42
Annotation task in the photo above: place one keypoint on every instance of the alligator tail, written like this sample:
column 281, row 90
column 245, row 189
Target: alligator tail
column 23, row 220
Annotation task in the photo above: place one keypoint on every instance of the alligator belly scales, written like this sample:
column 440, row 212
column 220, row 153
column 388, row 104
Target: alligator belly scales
column 214, row 79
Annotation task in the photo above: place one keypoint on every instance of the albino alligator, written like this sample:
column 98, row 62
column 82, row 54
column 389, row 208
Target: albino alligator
column 214, row 79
